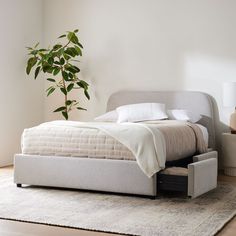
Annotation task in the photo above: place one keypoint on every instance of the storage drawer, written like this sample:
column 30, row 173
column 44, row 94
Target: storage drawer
column 172, row 183
column 198, row 178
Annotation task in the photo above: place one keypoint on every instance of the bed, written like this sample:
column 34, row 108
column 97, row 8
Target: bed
column 115, row 175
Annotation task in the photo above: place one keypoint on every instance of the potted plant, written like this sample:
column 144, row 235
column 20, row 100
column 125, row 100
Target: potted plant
column 59, row 63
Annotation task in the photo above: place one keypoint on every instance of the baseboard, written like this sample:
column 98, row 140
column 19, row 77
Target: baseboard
column 5, row 164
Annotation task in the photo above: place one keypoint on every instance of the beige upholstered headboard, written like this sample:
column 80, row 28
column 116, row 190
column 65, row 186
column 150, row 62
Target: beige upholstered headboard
column 196, row 102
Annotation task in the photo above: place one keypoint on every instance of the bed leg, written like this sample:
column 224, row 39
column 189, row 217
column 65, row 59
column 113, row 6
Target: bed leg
column 18, row 185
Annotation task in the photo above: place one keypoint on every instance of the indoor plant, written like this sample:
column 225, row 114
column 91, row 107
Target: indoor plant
column 58, row 61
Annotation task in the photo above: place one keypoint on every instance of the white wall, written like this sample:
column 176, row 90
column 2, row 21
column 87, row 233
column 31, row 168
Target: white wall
column 21, row 98
column 148, row 45
column 128, row 44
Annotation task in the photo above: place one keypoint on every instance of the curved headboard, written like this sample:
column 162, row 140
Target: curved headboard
column 196, row 102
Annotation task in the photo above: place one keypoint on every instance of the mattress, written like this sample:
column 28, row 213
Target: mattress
column 181, row 142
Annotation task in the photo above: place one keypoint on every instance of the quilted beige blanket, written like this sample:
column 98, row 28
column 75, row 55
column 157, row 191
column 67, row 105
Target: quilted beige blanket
column 149, row 143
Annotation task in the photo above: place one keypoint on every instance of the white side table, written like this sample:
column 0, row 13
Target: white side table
column 229, row 153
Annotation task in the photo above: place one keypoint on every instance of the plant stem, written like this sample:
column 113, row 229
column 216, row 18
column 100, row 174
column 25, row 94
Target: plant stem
column 64, row 85
column 66, row 44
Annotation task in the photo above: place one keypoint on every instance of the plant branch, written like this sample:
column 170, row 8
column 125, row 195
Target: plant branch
column 64, row 86
column 59, row 59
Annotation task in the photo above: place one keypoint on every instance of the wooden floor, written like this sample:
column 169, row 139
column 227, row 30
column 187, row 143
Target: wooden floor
column 14, row 228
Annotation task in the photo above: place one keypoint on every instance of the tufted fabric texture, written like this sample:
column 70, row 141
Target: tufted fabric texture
column 182, row 139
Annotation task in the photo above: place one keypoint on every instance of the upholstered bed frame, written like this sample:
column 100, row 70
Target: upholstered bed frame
column 121, row 176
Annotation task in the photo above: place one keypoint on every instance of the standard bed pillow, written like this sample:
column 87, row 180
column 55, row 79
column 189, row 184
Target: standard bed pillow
column 141, row 112
column 111, row 116
column 185, row 115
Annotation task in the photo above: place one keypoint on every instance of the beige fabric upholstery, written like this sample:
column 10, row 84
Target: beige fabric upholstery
column 202, row 175
column 83, row 173
column 205, row 156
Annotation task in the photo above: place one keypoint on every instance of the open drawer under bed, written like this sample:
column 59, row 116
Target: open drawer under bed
column 197, row 178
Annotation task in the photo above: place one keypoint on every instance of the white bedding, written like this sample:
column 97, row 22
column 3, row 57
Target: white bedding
column 111, row 140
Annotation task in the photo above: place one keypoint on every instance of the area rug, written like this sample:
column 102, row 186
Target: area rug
column 165, row 216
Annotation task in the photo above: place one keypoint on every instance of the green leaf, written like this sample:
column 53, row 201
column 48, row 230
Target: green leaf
column 63, row 91
column 70, row 69
column 60, row 109
column 34, row 52
column 62, row 61
column 71, row 51
column 28, row 69
column 76, row 53
column 82, row 84
column 78, row 50
column 86, row 94
column 68, row 102
column 51, row 80
column 57, row 63
column 76, row 69
column 85, row 83
column 60, row 52
column 47, row 68
column 76, row 31
column 65, row 114
column 56, row 47
column 73, row 69
column 70, row 87
column 70, row 35
column 80, row 45
column 64, row 75
column 70, row 75
column 32, row 61
column 56, row 70
column 81, row 108
column 50, row 91
column 50, row 70
column 62, row 36
column 74, row 39
column 37, row 72
column 50, row 60
column 66, row 56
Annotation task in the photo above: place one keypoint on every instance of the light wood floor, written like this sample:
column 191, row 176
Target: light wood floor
column 14, row 228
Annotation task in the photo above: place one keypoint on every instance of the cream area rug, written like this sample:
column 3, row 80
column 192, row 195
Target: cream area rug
column 166, row 216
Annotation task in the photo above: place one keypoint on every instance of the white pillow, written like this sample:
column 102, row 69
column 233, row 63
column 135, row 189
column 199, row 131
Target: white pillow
column 141, row 112
column 185, row 115
column 111, row 116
